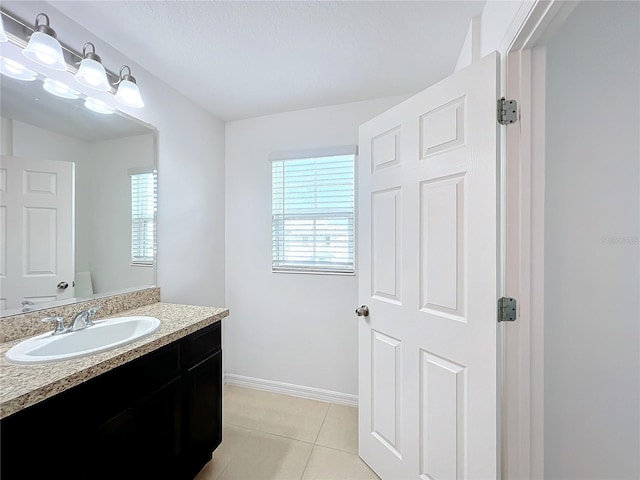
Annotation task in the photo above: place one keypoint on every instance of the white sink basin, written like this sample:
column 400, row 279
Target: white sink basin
column 104, row 335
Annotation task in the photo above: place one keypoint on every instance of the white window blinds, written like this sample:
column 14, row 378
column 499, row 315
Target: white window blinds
column 313, row 214
column 144, row 200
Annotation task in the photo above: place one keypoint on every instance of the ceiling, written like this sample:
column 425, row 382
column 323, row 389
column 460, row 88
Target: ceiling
column 240, row 59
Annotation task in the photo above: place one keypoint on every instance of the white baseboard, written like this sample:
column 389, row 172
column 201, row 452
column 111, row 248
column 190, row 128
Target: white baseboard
column 290, row 389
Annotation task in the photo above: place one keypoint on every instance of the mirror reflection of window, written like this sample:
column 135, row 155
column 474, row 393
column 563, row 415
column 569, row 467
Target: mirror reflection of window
column 144, row 205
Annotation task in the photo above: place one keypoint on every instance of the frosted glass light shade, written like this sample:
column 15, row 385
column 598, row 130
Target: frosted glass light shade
column 3, row 35
column 59, row 89
column 98, row 106
column 92, row 74
column 16, row 70
column 129, row 94
column 45, row 50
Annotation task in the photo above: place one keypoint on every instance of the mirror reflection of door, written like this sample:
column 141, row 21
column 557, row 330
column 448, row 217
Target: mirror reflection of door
column 37, row 227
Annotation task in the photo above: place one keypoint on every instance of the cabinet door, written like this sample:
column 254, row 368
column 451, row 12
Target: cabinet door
column 143, row 441
column 42, row 440
column 203, row 412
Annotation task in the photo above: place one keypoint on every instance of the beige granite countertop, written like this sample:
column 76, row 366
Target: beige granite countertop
column 25, row 385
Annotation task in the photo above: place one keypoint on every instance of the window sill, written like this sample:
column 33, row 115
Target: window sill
column 313, row 272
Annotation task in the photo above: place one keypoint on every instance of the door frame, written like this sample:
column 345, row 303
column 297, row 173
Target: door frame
column 522, row 214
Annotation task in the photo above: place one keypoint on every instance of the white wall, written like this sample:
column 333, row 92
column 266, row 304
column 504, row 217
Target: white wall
column 110, row 197
column 495, row 23
column 592, row 318
column 466, row 52
column 493, row 26
column 465, row 57
column 291, row 328
column 190, row 172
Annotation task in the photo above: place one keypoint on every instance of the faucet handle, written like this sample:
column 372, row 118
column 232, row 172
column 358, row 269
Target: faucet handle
column 90, row 314
column 60, row 328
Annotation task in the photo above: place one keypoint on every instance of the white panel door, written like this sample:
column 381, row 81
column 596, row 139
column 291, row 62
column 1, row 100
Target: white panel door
column 427, row 241
column 37, row 231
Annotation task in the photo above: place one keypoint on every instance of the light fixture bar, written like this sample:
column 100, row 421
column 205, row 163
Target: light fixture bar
column 18, row 32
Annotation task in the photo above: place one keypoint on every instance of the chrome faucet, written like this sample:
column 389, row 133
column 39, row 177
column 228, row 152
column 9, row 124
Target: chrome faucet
column 81, row 321
column 26, row 305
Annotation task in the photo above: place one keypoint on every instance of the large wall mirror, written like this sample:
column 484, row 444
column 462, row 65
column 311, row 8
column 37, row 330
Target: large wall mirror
column 78, row 188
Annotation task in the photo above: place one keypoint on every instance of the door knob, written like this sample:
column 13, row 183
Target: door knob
column 362, row 311
column 63, row 285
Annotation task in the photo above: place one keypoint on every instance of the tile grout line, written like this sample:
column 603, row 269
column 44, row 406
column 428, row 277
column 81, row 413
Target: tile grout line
column 322, row 424
column 265, row 432
column 232, row 456
column 307, row 462
column 314, row 442
column 348, row 452
column 250, row 430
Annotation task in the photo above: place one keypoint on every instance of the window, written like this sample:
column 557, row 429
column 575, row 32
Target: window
column 313, row 212
column 144, row 201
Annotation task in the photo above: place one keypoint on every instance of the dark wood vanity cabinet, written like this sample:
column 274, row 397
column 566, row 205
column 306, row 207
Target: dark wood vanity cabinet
column 159, row 416
column 202, row 399
column 147, row 430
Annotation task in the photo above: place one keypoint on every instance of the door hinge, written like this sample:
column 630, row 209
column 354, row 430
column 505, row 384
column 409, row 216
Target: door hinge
column 507, row 111
column 507, row 309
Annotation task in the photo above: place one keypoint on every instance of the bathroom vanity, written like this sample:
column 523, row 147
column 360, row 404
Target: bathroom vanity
column 150, row 409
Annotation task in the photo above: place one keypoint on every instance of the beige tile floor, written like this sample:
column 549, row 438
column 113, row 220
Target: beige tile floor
column 268, row 436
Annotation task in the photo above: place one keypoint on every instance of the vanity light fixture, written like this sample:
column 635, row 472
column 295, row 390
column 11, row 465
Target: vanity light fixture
column 91, row 72
column 43, row 46
column 59, row 89
column 16, row 70
column 98, row 106
column 3, row 34
column 128, row 92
